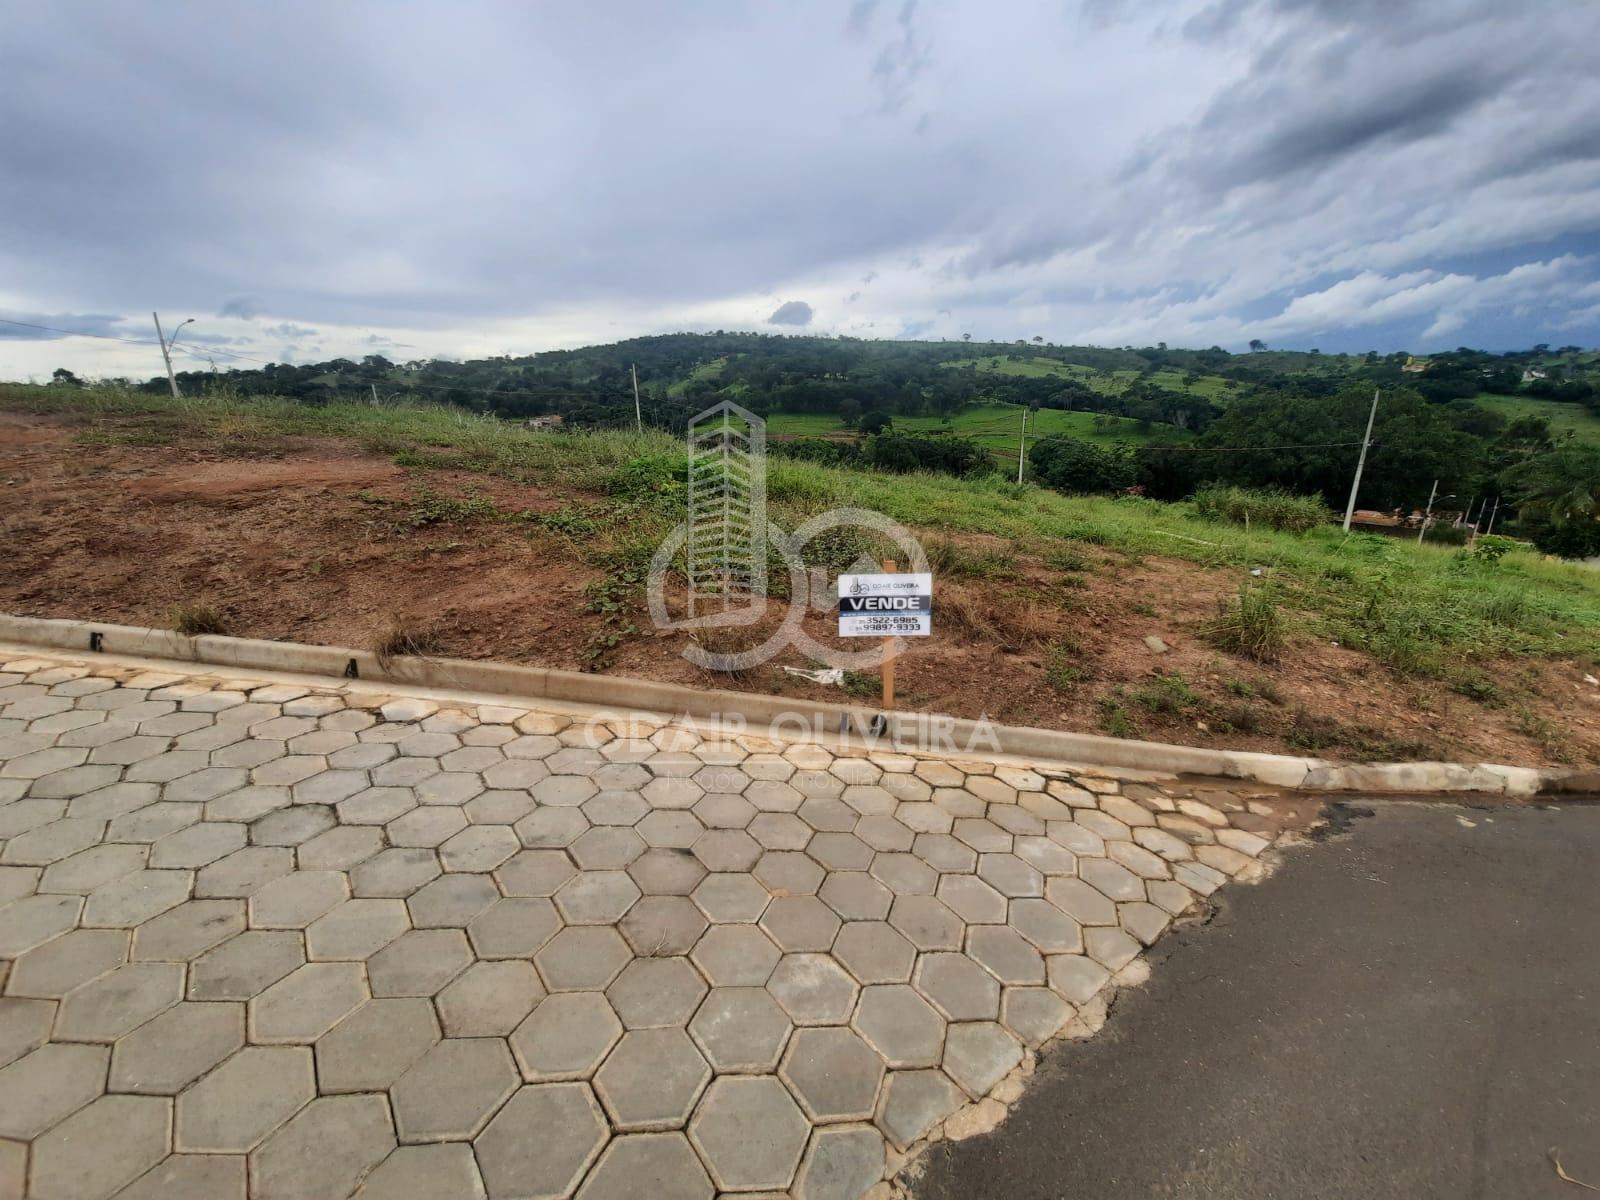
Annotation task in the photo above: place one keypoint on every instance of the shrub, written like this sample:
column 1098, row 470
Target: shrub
column 1576, row 539
column 1252, row 625
column 900, row 453
column 648, row 475
column 819, row 450
column 1446, row 535
column 1492, row 548
column 1270, row 507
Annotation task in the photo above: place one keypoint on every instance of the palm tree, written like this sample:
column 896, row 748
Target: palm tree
column 1561, row 487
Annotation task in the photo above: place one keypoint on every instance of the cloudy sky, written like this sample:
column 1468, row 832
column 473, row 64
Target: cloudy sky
column 312, row 179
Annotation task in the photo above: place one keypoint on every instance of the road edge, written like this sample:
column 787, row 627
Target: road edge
column 625, row 693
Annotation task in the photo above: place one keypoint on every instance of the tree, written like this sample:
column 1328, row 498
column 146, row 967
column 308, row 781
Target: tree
column 876, row 422
column 1558, row 488
column 1257, row 345
column 65, row 378
column 1071, row 464
column 849, row 410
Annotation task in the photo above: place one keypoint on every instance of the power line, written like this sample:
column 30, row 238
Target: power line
column 109, row 337
column 1220, row 449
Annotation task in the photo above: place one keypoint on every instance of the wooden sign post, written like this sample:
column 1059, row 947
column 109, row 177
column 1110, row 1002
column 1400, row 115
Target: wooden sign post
column 888, row 651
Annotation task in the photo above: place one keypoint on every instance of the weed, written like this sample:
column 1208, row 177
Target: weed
column 1543, row 731
column 1168, row 694
column 1475, row 685
column 432, row 509
column 947, row 557
column 1307, row 730
column 613, row 596
column 1235, row 717
column 1238, row 687
column 1269, row 691
column 1062, row 671
column 573, row 521
column 401, row 638
column 1252, row 625
column 1141, row 609
column 1068, row 558
column 861, row 685
column 1281, row 511
column 193, row 618
column 650, row 477
column 1114, row 716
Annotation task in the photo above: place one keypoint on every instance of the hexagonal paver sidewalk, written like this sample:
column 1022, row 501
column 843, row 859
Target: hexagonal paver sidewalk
column 263, row 938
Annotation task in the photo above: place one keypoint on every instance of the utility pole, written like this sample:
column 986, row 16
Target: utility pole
column 1427, row 513
column 1355, row 484
column 374, row 388
column 638, row 413
column 1022, row 441
column 166, row 351
column 1493, row 513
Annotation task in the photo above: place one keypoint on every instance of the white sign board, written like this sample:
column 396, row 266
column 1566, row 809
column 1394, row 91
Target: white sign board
column 886, row 605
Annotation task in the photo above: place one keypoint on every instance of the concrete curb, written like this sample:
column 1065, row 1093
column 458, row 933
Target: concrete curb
column 796, row 717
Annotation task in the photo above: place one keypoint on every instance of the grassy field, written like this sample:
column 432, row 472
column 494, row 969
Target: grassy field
column 995, row 426
column 1562, row 417
column 1425, row 610
column 706, row 370
column 1110, row 383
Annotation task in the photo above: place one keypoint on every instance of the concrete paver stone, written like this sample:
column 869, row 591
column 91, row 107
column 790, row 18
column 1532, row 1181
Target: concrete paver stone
column 652, row 1080
column 394, row 946
column 450, row 1093
column 664, row 1164
column 567, row 1037
column 542, row 1141
column 749, row 1133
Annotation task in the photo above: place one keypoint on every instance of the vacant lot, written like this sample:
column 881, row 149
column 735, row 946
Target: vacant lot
column 463, row 537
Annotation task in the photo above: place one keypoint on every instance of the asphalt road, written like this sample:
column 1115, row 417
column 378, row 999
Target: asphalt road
column 1410, row 1008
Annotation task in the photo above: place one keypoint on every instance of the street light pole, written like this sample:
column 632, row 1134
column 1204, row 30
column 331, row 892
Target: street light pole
column 1355, row 484
column 1022, row 441
column 1427, row 514
column 166, row 350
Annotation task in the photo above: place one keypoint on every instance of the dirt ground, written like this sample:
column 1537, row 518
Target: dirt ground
column 317, row 541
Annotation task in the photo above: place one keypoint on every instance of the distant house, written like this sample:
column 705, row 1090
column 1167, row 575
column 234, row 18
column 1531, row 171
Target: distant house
column 1415, row 365
column 1531, row 374
column 548, row 421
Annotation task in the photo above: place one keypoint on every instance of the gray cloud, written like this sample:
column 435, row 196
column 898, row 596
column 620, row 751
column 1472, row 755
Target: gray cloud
column 791, row 312
column 243, row 307
column 1111, row 170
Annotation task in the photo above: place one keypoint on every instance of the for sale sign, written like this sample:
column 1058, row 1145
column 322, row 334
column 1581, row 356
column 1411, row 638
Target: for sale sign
column 886, row 605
